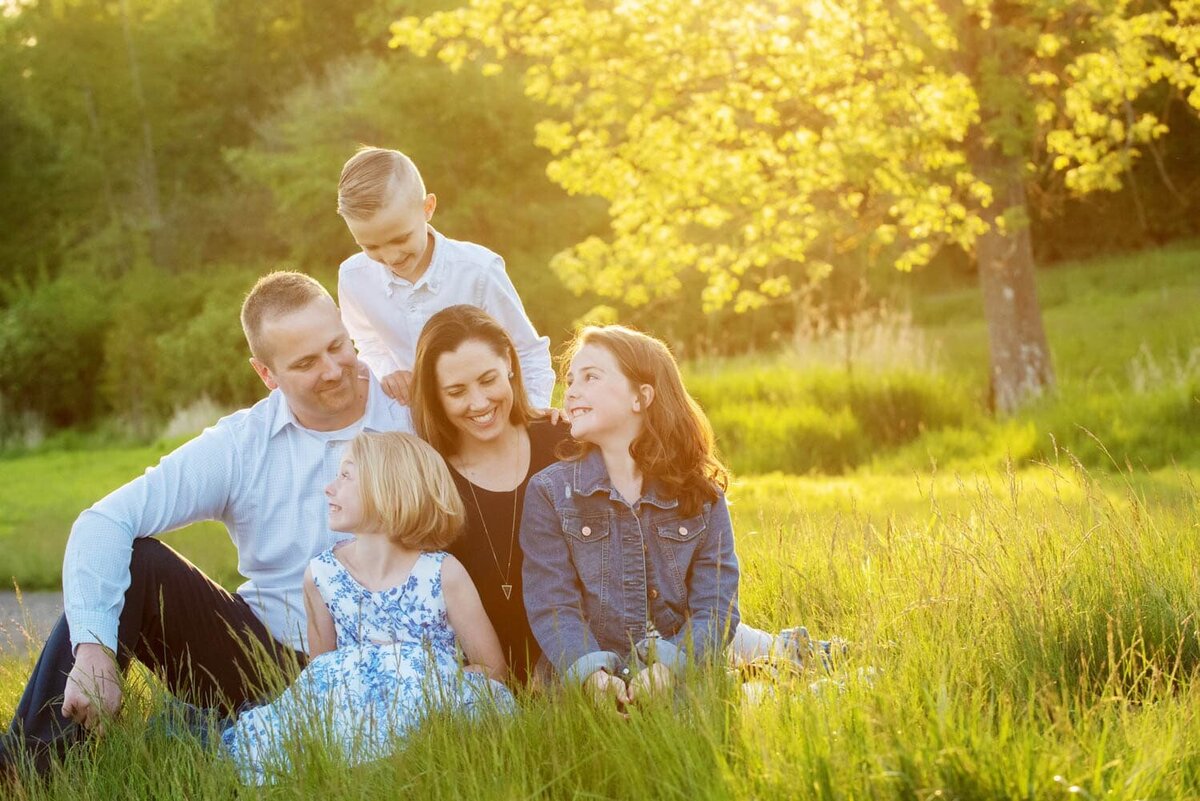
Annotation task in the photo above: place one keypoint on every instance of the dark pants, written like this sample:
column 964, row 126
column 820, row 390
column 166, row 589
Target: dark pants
column 205, row 644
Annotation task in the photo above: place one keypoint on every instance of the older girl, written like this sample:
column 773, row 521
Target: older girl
column 629, row 554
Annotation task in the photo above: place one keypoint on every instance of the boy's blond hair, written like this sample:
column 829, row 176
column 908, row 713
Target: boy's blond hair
column 371, row 176
column 274, row 295
column 407, row 487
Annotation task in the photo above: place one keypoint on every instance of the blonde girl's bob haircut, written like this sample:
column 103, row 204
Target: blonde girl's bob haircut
column 407, row 487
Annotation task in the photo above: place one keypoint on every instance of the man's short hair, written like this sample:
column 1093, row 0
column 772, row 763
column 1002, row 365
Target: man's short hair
column 275, row 295
column 366, row 178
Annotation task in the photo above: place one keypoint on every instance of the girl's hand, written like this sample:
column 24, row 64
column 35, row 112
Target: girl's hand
column 605, row 689
column 654, row 681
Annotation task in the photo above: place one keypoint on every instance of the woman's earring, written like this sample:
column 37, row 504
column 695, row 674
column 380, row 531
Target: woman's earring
column 510, row 374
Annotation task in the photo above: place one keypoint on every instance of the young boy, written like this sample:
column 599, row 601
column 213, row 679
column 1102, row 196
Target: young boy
column 407, row 271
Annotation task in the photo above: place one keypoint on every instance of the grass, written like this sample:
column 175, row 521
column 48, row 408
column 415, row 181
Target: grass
column 42, row 494
column 1032, row 632
column 1026, row 588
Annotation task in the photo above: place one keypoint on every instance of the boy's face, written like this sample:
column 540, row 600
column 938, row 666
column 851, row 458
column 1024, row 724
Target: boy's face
column 397, row 236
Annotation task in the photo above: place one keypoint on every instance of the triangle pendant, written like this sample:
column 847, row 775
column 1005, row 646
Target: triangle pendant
column 507, row 591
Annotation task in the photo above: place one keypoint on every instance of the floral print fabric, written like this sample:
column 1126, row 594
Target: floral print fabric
column 396, row 662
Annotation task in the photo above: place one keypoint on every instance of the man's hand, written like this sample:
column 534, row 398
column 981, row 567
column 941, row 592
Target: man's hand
column 606, row 690
column 654, row 681
column 396, row 385
column 93, row 687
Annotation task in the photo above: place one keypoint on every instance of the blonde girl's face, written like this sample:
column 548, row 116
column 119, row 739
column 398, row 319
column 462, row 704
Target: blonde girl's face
column 601, row 403
column 344, row 494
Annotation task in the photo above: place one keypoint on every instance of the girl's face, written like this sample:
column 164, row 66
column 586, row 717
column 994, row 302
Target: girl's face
column 345, row 499
column 601, row 402
column 475, row 391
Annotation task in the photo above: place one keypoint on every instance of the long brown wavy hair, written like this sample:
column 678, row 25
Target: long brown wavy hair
column 675, row 446
column 447, row 331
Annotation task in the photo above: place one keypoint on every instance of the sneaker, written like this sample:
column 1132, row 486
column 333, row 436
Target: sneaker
column 796, row 647
column 832, row 652
column 801, row 650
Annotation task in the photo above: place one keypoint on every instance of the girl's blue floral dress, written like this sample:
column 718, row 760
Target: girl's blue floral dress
column 396, row 661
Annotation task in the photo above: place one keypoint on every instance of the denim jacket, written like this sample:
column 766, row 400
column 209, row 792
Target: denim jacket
column 597, row 570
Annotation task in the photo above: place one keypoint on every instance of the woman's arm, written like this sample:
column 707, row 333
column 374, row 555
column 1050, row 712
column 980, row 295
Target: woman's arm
column 470, row 622
column 322, row 636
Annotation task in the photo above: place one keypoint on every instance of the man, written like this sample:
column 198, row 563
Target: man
column 261, row 471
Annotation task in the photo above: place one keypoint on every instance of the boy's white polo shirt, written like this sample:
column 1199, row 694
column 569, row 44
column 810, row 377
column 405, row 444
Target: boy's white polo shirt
column 385, row 314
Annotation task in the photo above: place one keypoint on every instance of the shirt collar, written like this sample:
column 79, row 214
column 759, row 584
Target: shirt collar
column 591, row 476
column 430, row 280
column 377, row 417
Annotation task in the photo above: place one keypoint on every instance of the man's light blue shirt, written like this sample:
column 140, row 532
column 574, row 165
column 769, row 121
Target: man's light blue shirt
column 260, row 473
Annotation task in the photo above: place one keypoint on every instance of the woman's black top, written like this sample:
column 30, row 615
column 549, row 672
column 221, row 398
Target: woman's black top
column 495, row 509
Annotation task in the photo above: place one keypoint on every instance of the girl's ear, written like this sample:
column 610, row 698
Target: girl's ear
column 646, row 394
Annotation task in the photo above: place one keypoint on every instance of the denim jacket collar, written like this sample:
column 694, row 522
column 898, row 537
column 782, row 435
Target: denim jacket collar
column 591, row 476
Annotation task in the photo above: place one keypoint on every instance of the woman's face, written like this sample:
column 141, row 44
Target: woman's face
column 475, row 391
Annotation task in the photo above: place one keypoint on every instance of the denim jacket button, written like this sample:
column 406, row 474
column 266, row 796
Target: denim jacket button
column 587, row 531
column 683, row 531
column 653, row 595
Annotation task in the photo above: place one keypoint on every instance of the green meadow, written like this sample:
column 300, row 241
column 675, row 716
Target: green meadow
column 1021, row 595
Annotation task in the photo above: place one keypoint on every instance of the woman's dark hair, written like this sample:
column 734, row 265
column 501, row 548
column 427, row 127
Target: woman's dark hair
column 446, row 332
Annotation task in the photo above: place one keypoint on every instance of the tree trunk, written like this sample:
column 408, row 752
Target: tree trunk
column 1021, row 365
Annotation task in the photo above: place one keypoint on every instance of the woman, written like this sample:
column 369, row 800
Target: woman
column 469, row 403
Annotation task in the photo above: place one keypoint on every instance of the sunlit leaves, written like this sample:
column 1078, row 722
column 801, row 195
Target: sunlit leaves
column 738, row 140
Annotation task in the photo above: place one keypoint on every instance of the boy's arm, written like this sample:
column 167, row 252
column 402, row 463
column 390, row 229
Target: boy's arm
column 712, row 596
column 322, row 635
column 498, row 297
column 470, row 622
column 371, row 349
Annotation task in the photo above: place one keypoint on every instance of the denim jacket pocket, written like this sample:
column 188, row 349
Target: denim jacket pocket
column 679, row 539
column 591, row 545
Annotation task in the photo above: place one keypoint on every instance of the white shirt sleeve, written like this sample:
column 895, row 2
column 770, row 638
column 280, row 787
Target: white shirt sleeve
column 498, row 297
column 194, row 482
column 371, row 348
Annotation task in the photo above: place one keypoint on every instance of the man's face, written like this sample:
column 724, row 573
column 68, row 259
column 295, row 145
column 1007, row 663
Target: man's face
column 308, row 355
column 397, row 236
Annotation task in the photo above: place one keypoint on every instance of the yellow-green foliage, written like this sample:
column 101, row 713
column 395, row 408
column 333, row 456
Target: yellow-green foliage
column 753, row 144
column 781, row 416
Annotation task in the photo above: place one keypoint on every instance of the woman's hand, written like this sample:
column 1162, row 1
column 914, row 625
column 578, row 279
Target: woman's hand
column 652, row 682
column 607, row 691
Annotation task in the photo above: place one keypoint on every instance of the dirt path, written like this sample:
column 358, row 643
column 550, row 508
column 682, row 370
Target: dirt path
column 25, row 624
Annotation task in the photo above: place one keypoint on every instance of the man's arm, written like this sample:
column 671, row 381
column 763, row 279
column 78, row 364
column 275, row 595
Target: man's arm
column 192, row 483
column 498, row 297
